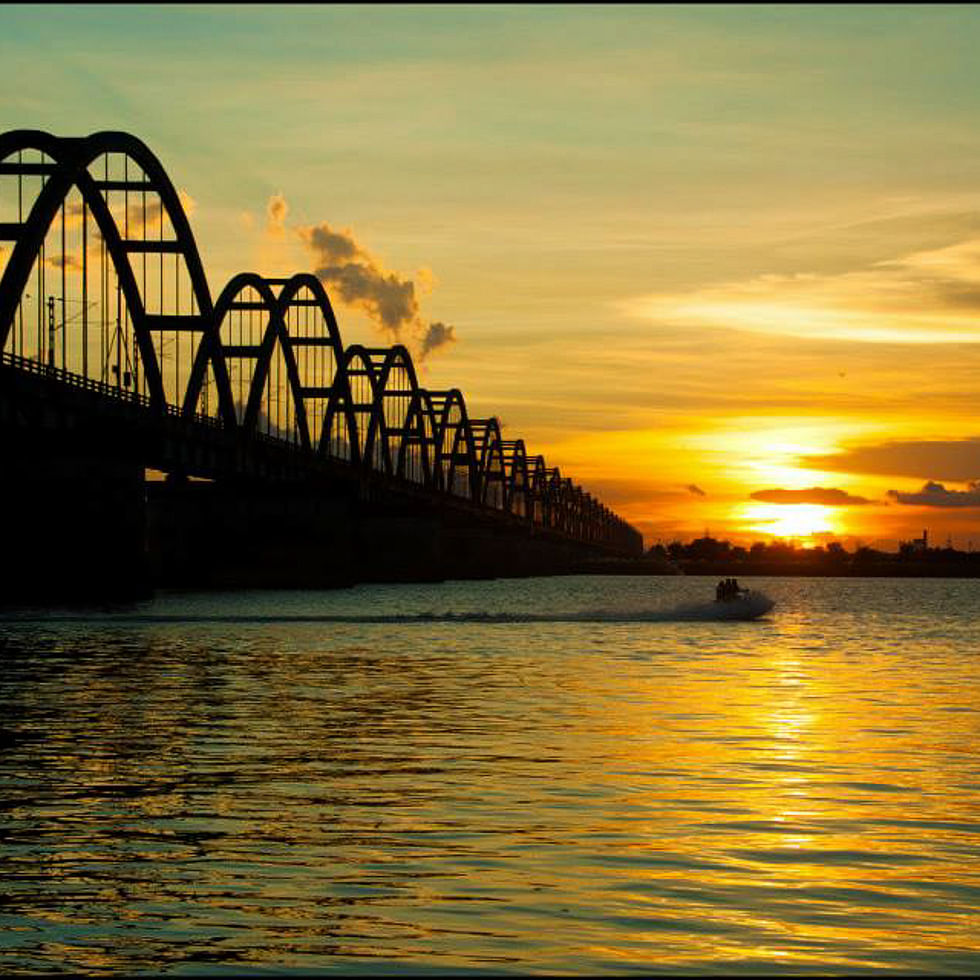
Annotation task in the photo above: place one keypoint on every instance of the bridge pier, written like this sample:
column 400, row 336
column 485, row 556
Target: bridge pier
column 253, row 535
column 75, row 525
column 214, row 535
column 87, row 528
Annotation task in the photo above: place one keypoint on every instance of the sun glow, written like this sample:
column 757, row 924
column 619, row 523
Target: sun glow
column 789, row 520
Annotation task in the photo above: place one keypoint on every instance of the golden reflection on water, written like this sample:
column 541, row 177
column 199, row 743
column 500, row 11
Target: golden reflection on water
column 797, row 793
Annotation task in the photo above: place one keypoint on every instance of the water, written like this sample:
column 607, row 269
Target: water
column 236, row 783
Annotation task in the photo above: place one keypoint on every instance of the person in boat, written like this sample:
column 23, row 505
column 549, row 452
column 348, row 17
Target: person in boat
column 728, row 588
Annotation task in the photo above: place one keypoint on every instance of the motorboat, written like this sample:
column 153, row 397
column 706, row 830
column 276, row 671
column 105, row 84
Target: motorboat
column 743, row 604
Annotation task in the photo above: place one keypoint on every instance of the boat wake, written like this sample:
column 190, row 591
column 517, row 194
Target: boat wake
column 747, row 607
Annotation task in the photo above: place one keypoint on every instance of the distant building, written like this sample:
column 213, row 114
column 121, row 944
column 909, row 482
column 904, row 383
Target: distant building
column 916, row 544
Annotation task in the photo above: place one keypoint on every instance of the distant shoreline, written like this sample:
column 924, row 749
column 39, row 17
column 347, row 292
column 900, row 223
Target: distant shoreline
column 897, row 568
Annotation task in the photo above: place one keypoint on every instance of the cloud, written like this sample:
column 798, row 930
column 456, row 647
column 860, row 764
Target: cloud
column 360, row 280
column 137, row 219
column 953, row 459
column 188, row 203
column 697, row 491
column 64, row 262
column 276, row 212
column 73, row 213
column 388, row 300
column 928, row 296
column 935, row 494
column 153, row 213
column 438, row 335
column 638, row 491
column 826, row 496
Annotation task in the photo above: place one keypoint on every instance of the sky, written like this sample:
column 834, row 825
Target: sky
column 720, row 264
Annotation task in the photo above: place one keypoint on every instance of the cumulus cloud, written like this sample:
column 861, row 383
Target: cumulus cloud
column 935, row 494
column 360, row 280
column 696, row 490
column 827, row 496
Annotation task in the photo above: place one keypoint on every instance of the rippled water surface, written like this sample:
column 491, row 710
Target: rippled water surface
column 358, row 781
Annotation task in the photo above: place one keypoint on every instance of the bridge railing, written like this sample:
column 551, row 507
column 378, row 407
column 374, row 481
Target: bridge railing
column 118, row 393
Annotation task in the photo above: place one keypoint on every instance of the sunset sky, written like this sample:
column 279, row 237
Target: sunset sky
column 719, row 264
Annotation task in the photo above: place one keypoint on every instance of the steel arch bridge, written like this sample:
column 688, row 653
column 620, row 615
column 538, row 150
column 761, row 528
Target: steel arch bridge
column 103, row 288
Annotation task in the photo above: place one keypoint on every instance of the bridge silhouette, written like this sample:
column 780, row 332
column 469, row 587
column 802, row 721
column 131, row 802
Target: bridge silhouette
column 283, row 457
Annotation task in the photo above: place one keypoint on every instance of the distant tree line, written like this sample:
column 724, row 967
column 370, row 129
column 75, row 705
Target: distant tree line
column 709, row 556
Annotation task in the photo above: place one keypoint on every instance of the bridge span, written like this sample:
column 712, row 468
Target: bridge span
column 278, row 456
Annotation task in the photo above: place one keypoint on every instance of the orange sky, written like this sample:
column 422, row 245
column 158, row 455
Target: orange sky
column 719, row 264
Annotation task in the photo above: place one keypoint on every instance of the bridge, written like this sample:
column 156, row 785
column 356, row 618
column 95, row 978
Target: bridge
column 275, row 454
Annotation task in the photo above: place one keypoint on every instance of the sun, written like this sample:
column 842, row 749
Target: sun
column 788, row 520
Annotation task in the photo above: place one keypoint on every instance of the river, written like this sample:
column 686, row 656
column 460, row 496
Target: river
column 545, row 775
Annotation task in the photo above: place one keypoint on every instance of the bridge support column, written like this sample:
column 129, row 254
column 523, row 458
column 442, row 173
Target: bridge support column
column 483, row 550
column 238, row 534
column 74, row 526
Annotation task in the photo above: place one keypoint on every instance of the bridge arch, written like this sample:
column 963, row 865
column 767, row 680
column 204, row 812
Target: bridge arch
column 243, row 314
column 490, row 460
column 313, row 338
column 538, row 479
column 517, row 479
column 355, row 401
column 555, row 496
column 418, row 458
column 457, row 451
column 126, row 256
column 395, row 390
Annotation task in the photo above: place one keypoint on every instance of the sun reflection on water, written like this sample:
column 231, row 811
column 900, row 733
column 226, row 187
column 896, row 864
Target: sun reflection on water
column 800, row 792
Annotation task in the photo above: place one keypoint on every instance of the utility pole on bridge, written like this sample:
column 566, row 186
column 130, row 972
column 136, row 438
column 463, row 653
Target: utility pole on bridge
column 51, row 331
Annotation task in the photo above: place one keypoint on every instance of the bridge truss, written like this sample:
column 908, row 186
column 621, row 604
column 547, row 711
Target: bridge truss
column 102, row 281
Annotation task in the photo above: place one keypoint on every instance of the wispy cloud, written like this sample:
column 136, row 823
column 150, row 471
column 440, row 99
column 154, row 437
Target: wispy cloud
column 953, row 459
column 928, row 296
